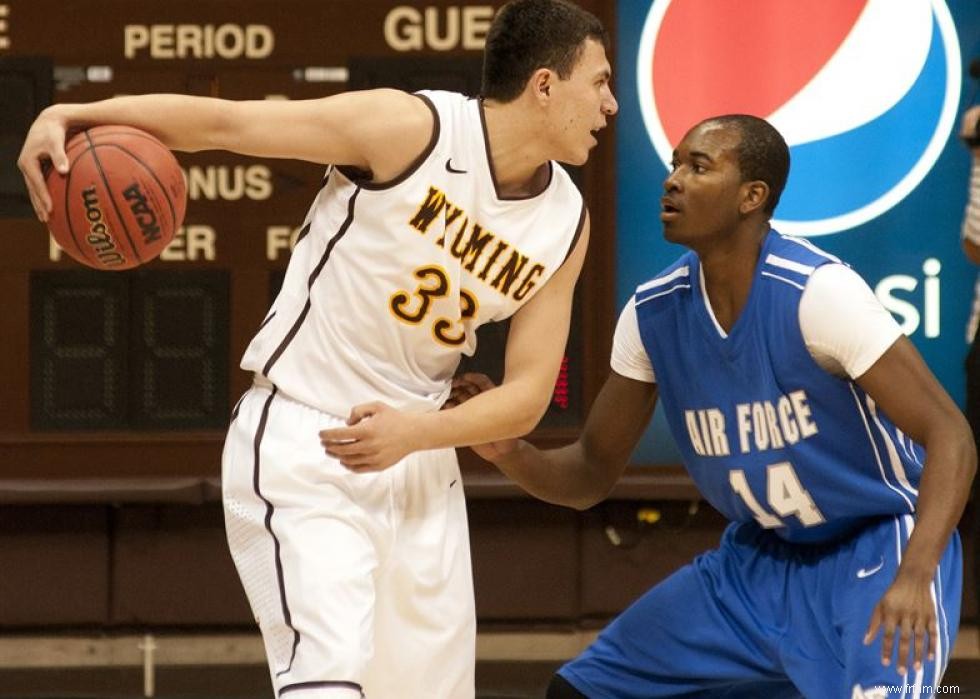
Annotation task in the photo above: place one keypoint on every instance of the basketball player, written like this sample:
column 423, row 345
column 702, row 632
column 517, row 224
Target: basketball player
column 809, row 420
column 344, row 510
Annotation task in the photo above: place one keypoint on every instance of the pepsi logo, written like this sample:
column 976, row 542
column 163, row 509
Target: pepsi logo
column 864, row 91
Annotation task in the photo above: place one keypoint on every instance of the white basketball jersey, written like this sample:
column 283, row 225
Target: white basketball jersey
column 388, row 282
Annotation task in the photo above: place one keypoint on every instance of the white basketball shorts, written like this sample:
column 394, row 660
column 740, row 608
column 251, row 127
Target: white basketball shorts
column 360, row 582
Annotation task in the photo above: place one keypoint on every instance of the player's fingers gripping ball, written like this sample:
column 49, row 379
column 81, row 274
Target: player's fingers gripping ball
column 121, row 201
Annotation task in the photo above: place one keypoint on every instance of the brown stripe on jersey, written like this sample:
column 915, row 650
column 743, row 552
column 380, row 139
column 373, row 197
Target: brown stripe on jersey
column 306, row 227
column 269, row 510
column 304, row 231
column 493, row 173
column 238, row 406
column 578, row 234
column 325, row 684
column 313, row 275
column 363, row 177
column 266, row 321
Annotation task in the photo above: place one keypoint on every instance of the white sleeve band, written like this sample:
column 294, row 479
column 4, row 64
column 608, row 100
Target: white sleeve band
column 629, row 357
column 844, row 326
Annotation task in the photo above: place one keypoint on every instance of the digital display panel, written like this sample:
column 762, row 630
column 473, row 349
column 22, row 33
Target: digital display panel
column 143, row 350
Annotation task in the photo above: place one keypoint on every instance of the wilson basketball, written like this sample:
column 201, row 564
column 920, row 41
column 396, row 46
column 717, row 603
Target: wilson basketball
column 121, row 201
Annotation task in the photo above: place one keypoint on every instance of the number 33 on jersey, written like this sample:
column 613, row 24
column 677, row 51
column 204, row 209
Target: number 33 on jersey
column 434, row 284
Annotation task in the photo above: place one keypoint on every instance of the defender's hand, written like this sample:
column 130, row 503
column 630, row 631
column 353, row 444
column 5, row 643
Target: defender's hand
column 906, row 608
column 376, row 437
column 45, row 142
column 465, row 387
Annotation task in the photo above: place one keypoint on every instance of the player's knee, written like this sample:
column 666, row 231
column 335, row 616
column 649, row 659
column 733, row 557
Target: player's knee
column 560, row 688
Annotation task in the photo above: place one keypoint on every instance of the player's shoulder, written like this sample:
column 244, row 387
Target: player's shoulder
column 792, row 261
column 457, row 119
column 444, row 101
column 799, row 251
column 670, row 280
column 447, row 96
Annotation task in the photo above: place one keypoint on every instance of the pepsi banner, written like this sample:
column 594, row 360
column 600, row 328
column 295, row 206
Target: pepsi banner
column 869, row 96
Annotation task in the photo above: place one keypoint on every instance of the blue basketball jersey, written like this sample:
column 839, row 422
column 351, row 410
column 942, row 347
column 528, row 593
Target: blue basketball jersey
column 766, row 433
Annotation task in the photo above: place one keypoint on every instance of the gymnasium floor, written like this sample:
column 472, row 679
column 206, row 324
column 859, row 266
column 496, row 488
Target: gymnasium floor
column 203, row 666
column 510, row 666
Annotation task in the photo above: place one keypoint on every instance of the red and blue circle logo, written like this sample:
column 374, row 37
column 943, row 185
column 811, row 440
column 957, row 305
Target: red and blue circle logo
column 864, row 91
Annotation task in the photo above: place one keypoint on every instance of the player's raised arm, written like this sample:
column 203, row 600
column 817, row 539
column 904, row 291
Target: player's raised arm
column 380, row 131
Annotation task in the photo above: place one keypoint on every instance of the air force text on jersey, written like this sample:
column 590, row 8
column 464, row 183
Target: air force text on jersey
column 761, row 425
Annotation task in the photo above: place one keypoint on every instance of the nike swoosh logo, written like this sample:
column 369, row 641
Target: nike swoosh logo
column 867, row 572
column 450, row 168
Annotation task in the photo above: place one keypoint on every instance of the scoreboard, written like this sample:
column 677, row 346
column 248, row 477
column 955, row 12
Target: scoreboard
column 135, row 373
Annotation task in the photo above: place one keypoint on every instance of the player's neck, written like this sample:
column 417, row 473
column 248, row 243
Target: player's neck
column 519, row 164
column 729, row 266
column 733, row 254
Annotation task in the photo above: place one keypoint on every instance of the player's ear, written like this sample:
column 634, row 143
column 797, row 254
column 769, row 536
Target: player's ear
column 755, row 194
column 541, row 82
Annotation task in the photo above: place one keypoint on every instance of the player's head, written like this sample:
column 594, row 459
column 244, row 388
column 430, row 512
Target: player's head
column 554, row 53
column 725, row 170
column 530, row 34
column 762, row 154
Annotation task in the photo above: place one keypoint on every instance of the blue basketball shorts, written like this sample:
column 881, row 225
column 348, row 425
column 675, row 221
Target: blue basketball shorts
column 761, row 617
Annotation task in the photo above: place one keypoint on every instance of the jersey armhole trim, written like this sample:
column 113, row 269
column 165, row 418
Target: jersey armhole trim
column 362, row 178
column 578, row 234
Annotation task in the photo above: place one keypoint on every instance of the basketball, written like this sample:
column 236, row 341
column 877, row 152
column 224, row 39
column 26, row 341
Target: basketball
column 121, row 201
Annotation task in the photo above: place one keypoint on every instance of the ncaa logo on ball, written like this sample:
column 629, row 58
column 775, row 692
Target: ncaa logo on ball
column 864, row 91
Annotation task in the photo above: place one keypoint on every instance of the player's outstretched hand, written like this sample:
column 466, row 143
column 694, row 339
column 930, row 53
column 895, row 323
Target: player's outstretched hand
column 465, row 386
column 905, row 611
column 376, row 437
column 45, row 142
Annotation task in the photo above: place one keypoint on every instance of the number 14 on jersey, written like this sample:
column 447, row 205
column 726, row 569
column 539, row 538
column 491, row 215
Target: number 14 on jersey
column 785, row 493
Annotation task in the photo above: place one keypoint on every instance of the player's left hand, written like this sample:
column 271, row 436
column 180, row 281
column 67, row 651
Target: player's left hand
column 906, row 610
column 376, row 436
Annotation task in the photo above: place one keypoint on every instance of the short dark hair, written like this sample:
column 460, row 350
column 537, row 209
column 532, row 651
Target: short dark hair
column 531, row 34
column 762, row 153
